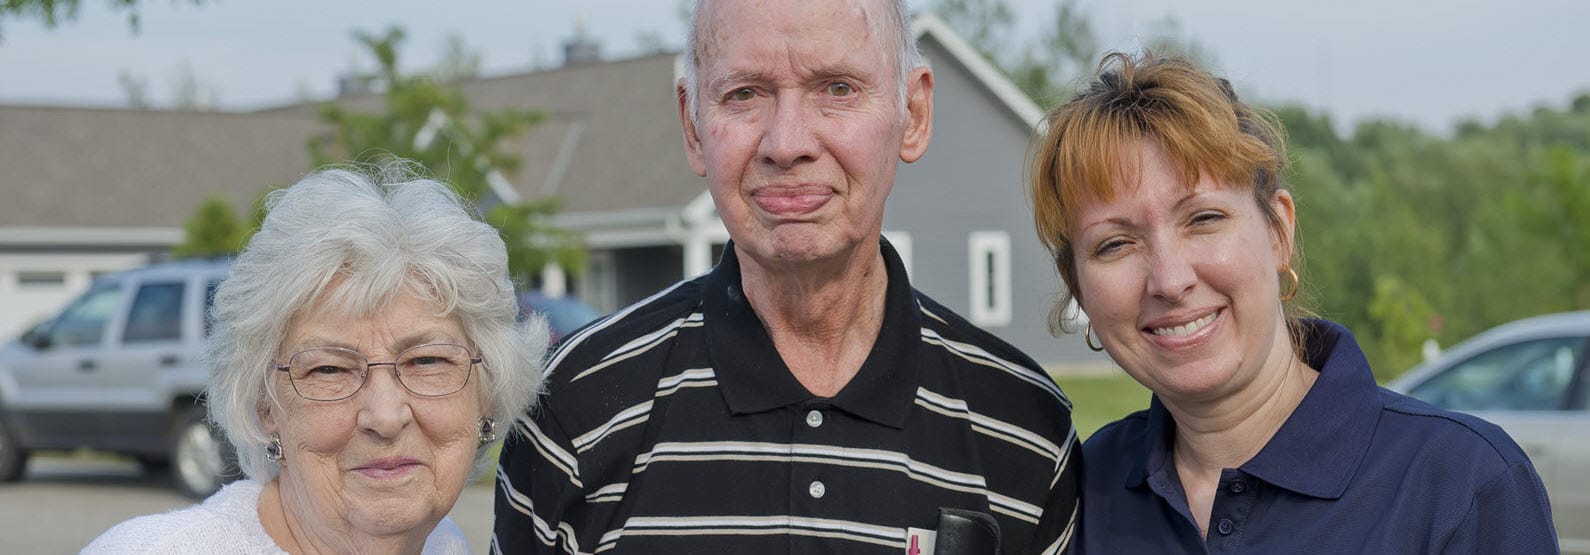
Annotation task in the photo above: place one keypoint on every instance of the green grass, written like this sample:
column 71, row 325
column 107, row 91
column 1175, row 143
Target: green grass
column 487, row 477
column 1100, row 400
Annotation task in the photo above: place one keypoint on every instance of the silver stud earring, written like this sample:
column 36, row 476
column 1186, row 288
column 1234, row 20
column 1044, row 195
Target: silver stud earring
column 488, row 430
column 273, row 450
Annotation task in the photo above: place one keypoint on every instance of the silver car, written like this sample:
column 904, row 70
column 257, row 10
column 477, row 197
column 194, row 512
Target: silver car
column 119, row 370
column 1530, row 378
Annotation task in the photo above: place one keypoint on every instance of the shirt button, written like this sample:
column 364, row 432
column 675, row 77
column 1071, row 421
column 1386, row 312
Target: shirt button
column 817, row 489
column 1237, row 486
column 814, row 418
column 1225, row 526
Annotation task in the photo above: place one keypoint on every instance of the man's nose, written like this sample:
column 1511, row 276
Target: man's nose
column 788, row 138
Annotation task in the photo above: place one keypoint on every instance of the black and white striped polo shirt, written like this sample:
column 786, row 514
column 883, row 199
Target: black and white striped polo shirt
column 673, row 426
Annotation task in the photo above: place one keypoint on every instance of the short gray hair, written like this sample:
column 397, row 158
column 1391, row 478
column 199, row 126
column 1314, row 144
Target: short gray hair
column 895, row 23
column 382, row 234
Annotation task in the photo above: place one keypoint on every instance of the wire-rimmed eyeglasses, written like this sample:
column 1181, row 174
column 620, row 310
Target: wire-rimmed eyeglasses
column 335, row 373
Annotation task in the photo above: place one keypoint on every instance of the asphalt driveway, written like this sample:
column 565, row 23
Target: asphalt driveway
column 65, row 502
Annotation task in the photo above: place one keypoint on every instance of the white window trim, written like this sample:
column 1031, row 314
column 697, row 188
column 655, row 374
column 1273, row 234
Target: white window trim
column 599, row 283
column 986, row 311
column 901, row 240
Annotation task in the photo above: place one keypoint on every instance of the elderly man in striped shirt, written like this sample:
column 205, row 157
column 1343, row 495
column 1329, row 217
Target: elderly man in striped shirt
column 801, row 397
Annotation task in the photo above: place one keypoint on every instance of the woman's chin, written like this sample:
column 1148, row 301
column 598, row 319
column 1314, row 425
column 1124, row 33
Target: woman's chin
column 396, row 517
column 1192, row 383
column 385, row 507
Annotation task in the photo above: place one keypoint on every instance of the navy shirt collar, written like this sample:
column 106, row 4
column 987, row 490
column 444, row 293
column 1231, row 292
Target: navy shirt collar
column 753, row 378
column 1319, row 447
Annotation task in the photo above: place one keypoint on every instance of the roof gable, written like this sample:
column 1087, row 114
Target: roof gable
column 610, row 143
column 1008, row 94
column 109, row 168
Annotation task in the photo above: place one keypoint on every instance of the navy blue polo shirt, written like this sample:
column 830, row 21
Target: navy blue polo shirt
column 1355, row 469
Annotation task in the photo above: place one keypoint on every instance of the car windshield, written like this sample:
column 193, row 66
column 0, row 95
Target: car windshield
column 566, row 316
column 1528, row 375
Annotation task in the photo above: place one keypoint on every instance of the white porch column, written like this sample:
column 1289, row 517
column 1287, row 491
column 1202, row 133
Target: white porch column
column 698, row 254
column 701, row 227
column 554, row 283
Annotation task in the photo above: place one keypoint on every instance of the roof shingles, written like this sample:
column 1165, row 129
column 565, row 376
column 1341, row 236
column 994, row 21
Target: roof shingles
column 86, row 167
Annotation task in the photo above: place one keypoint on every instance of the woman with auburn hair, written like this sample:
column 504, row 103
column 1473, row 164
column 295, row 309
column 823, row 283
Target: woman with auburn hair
column 1159, row 195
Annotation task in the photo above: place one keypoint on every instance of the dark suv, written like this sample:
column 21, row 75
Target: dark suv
column 119, row 370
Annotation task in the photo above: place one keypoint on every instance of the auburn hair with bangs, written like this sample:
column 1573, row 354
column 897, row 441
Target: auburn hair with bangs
column 1088, row 150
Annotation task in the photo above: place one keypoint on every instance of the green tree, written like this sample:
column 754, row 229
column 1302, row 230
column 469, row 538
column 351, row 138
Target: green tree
column 1403, row 318
column 1167, row 38
column 1558, row 212
column 539, row 242
column 428, row 121
column 213, row 230
column 134, row 88
column 1480, row 228
column 459, row 62
column 53, row 12
column 985, row 24
column 1065, row 50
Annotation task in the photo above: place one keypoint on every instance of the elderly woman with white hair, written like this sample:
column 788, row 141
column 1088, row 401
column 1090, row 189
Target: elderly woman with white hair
column 365, row 348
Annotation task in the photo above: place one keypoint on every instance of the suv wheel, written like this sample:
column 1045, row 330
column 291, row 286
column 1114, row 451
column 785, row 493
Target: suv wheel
column 201, row 462
column 13, row 459
column 154, row 466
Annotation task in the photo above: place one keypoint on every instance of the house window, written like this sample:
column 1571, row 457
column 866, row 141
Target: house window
column 27, row 279
column 901, row 240
column 209, row 303
column 599, row 285
column 990, row 277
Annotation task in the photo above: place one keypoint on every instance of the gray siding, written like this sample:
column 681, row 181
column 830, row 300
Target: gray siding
column 971, row 179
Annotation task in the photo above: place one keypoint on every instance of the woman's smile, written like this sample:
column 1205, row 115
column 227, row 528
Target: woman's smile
column 389, row 468
column 1183, row 330
column 1182, row 333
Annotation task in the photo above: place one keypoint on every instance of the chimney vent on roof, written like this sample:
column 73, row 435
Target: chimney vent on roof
column 353, row 81
column 581, row 49
column 354, row 84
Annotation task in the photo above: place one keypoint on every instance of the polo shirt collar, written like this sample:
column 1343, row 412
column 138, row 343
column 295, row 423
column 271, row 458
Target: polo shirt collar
column 1153, row 452
column 1318, row 449
column 753, row 378
column 1320, row 446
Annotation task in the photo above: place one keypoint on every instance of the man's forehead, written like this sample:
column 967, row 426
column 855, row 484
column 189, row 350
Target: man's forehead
column 709, row 9
column 733, row 20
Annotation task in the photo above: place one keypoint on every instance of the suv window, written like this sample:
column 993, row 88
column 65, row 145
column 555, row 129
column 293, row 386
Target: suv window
column 83, row 323
column 156, row 314
column 209, row 302
column 1532, row 375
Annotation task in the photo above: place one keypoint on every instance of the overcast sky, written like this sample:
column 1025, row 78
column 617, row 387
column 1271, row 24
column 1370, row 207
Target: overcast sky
column 1426, row 61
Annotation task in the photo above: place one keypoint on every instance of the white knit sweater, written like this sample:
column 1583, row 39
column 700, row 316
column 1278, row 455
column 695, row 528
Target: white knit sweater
column 228, row 522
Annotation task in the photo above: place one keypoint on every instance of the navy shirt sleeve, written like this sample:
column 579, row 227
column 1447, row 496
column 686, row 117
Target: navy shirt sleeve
column 1510, row 514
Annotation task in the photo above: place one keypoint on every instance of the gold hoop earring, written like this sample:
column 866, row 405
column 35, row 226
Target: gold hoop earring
column 1296, row 282
column 1087, row 335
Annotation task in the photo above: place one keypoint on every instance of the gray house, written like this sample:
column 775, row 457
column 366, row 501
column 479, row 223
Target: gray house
column 85, row 191
column 963, row 206
column 610, row 148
